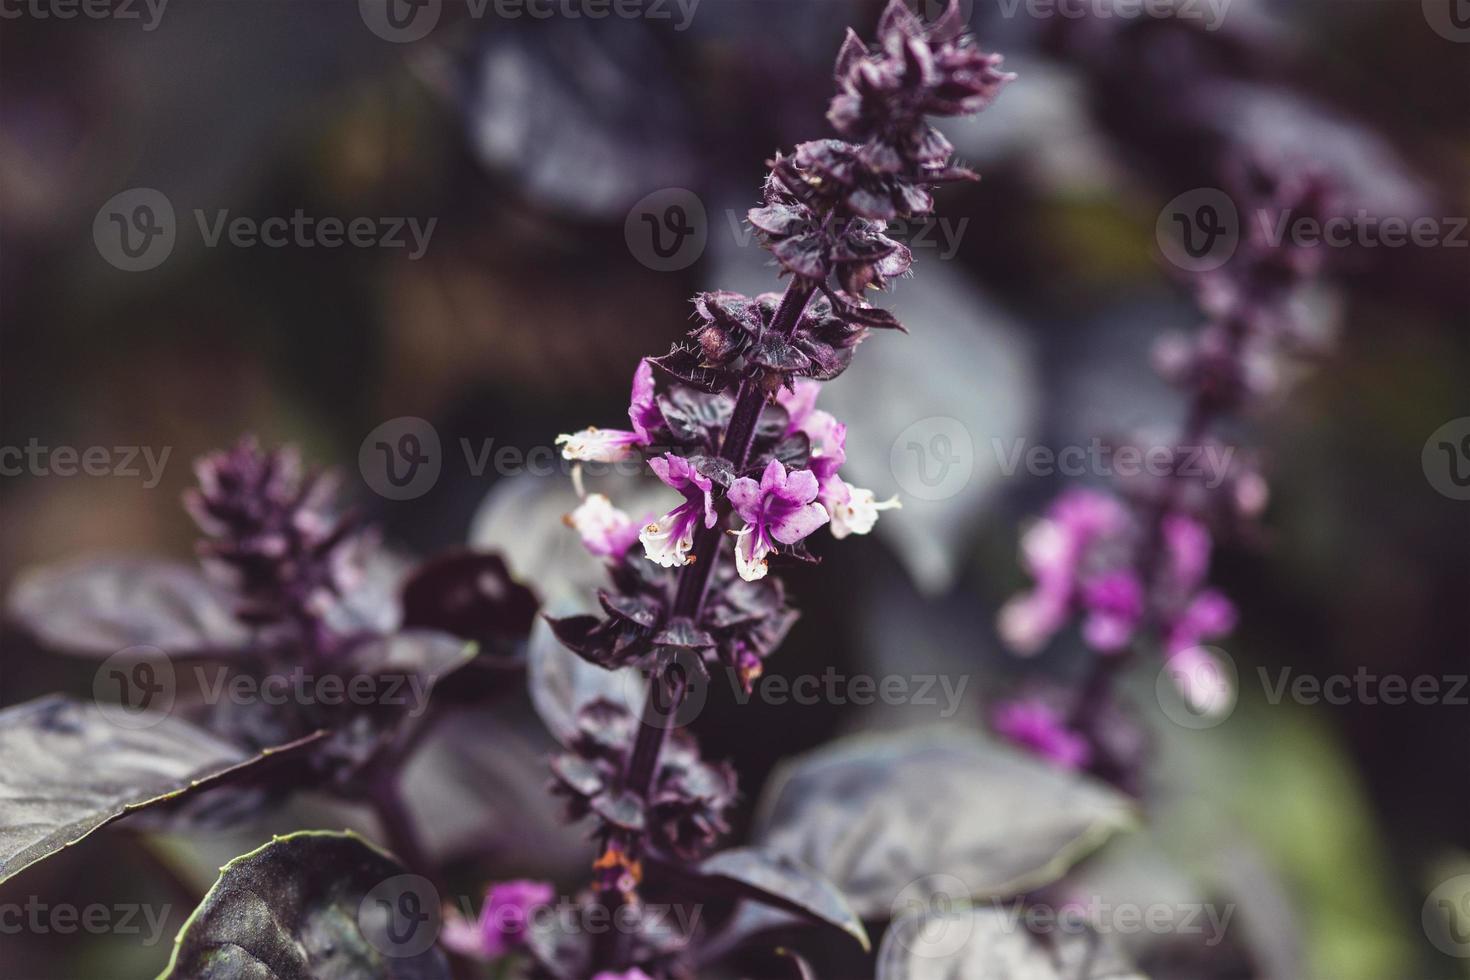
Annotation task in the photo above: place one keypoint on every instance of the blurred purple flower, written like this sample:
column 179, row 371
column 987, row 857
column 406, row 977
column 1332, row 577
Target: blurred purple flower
column 1039, row 727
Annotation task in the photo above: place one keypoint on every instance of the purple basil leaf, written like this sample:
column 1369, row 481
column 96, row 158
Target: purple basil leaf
column 877, row 815
column 71, row 768
column 313, row 906
column 776, row 880
column 99, row 606
column 964, row 943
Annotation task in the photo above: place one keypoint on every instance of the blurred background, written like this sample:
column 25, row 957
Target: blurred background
column 510, row 177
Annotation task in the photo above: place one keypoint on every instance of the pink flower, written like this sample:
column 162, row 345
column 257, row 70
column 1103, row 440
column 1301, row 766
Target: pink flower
column 605, row 530
column 1187, row 544
column 509, row 909
column 852, row 510
column 1114, row 604
column 667, row 540
column 634, row 974
column 1037, row 726
column 800, row 402
column 1055, row 550
column 1209, row 615
column 781, row 509
column 608, row 445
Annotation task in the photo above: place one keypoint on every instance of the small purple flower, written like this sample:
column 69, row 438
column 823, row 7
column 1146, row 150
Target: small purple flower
column 1114, row 603
column 609, row 445
column 1037, row 726
column 781, row 509
column 507, row 913
column 633, row 974
column 605, row 530
column 667, row 540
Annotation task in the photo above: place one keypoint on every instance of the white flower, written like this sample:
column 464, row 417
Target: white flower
column 667, row 540
column 594, row 445
column 858, row 512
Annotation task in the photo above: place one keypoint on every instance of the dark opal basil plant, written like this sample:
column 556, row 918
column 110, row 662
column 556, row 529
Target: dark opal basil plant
column 727, row 420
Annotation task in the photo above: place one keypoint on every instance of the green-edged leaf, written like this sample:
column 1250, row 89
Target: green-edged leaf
column 968, row 943
column 99, row 606
column 783, row 882
column 68, row 770
column 883, row 815
column 312, row 906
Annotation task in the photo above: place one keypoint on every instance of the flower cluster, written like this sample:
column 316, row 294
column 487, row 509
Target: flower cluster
column 271, row 534
column 1133, row 564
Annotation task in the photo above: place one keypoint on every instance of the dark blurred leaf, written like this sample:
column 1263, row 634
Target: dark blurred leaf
column 801, row 967
column 471, row 595
column 879, row 814
column 103, row 605
column 584, row 115
column 562, row 682
column 68, row 770
column 969, row 944
column 426, row 654
column 307, row 907
column 785, row 883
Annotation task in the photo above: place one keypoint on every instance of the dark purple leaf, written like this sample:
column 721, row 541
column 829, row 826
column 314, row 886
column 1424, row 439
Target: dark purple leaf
column 71, row 768
column 313, row 905
column 785, row 883
column 877, row 814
